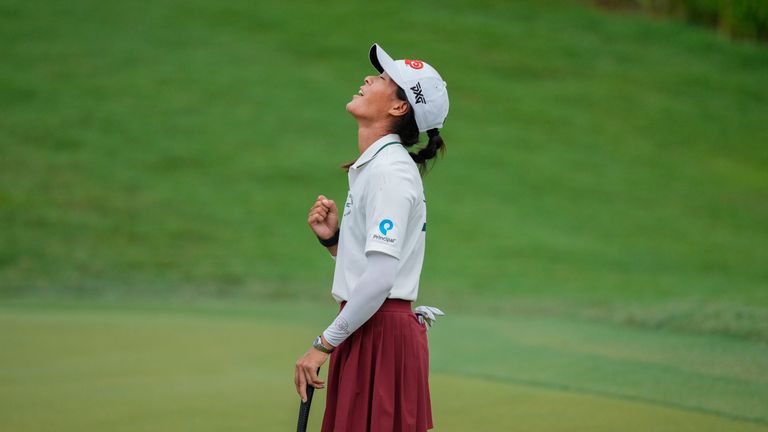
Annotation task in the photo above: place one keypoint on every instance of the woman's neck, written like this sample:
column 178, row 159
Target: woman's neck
column 367, row 135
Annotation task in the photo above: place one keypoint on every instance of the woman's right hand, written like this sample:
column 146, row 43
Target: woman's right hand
column 324, row 217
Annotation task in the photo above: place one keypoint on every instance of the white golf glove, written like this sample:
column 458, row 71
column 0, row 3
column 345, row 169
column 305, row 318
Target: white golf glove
column 427, row 314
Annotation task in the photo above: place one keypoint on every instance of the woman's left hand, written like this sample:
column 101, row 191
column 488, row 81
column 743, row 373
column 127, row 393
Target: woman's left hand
column 306, row 372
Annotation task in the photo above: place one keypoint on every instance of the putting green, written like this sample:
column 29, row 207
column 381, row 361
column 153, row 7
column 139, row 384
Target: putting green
column 206, row 368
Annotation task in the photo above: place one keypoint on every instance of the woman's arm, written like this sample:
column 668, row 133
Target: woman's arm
column 369, row 294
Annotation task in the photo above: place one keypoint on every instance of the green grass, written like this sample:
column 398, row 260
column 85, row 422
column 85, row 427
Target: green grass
column 599, row 166
column 193, row 367
column 600, row 218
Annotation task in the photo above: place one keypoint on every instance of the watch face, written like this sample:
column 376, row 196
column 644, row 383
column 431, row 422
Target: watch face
column 319, row 345
column 318, row 342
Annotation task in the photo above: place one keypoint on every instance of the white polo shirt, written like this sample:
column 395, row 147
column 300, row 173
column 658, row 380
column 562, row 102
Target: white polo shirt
column 385, row 211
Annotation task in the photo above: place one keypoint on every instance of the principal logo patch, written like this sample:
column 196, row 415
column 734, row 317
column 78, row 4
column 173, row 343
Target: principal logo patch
column 385, row 225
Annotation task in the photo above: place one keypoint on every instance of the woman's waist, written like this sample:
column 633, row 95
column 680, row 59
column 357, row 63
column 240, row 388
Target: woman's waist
column 390, row 305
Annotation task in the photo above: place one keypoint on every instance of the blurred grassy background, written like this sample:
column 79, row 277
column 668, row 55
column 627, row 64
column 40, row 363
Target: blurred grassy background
column 602, row 169
column 605, row 166
column 739, row 18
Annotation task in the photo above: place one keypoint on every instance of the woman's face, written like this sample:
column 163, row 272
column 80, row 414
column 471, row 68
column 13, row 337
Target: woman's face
column 377, row 100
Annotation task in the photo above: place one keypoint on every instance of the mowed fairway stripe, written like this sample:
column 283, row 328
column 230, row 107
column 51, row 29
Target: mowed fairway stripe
column 465, row 404
column 702, row 373
column 222, row 368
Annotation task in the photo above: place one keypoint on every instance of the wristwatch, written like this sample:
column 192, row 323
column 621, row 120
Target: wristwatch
column 318, row 344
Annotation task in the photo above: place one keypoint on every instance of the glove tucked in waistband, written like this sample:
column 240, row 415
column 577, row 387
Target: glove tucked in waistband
column 427, row 314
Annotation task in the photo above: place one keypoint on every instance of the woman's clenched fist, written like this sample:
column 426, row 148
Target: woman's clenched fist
column 323, row 217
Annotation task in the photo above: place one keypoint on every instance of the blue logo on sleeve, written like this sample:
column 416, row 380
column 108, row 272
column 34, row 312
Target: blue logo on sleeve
column 385, row 226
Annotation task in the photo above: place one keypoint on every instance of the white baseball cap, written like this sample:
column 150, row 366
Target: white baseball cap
column 424, row 87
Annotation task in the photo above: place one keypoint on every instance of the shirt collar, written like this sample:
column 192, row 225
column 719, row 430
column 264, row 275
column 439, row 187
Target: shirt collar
column 374, row 148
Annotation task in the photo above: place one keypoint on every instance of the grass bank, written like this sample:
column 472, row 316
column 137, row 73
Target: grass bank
column 598, row 166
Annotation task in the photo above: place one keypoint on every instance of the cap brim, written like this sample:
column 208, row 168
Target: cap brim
column 384, row 63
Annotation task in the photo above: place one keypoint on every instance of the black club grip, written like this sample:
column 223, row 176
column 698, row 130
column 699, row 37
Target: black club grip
column 304, row 408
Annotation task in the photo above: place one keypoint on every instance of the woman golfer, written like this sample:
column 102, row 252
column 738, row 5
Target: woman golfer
column 378, row 373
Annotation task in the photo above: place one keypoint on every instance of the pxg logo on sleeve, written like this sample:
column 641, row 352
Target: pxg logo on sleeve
column 385, row 226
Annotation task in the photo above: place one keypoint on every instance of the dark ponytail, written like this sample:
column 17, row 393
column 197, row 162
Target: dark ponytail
column 406, row 127
column 434, row 144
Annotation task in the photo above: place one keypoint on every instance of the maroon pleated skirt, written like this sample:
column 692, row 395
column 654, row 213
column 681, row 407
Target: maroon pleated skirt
column 378, row 378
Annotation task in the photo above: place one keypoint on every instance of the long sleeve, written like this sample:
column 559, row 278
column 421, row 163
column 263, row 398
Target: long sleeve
column 369, row 294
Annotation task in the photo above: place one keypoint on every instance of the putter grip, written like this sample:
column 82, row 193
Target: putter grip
column 304, row 408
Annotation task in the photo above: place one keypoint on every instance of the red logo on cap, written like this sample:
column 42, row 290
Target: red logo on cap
column 416, row 64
